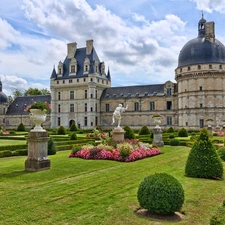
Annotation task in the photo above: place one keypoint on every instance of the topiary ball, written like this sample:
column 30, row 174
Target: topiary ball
column 161, row 193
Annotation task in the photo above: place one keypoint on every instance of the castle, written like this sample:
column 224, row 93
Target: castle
column 81, row 91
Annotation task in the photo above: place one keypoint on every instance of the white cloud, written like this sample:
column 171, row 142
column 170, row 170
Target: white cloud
column 211, row 5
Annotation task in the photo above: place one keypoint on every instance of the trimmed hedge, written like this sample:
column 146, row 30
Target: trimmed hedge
column 161, row 193
column 203, row 160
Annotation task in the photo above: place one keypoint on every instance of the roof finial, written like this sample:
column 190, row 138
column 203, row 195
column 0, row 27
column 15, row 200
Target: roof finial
column 202, row 14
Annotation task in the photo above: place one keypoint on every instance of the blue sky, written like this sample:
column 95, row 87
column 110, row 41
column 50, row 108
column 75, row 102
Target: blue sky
column 139, row 41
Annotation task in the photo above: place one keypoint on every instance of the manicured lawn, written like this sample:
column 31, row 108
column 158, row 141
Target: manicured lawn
column 94, row 192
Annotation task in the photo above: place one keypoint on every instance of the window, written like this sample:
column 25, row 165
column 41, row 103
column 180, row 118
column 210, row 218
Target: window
column 96, row 107
column 96, row 121
column 71, row 107
column 72, row 70
column 220, row 66
column 136, row 106
column 59, row 121
column 63, row 81
column 85, row 107
column 200, row 105
column 84, row 79
column 60, row 70
column 199, row 67
column 57, row 82
column 59, row 108
column 200, row 88
column 85, row 93
column 91, row 79
column 70, row 81
column 91, row 95
column 96, row 69
column 210, row 66
column 71, row 94
column 186, row 123
column 152, row 106
column 169, row 105
column 77, row 80
column 86, row 68
column 169, row 121
column 85, row 121
column 59, row 95
column 107, row 107
column 96, row 94
column 201, row 123
column 169, row 91
column 180, row 69
column 91, row 109
column 189, row 68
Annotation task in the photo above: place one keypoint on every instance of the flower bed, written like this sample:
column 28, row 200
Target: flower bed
column 128, row 151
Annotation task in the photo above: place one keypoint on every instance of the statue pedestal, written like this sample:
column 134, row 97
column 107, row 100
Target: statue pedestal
column 118, row 134
column 217, row 129
column 209, row 128
column 37, row 151
column 157, row 136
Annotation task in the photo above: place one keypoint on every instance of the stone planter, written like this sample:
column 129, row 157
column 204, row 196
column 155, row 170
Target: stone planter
column 157, row 121
column 37, row 116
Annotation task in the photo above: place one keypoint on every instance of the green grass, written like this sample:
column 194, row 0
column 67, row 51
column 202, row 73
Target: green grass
column 98, row 192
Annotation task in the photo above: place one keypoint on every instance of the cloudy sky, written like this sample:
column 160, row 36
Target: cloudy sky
column 138, row 40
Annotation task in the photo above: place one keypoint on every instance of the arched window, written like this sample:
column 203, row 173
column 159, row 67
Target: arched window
column 72, row 70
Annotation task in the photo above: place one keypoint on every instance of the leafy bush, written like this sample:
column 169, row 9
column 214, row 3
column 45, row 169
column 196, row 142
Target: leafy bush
column 203, row 160
column 221, row 152
column 76, row 148
column 61, row 130
column 144, row 130
column 129, row 133
column 219, row 217
column 21, row 127
column 73, row 127
column 161, row 193
column 174, row 142
column 182, row 133
column 171, row 136
column 170, row 130
column 51, row 147
column 73, row 136
column 125, row 149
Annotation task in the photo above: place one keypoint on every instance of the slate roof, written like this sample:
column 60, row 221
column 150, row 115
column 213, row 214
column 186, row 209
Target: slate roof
column 80, row 56
column 199, row 50
column 20, row 103
column 133, row 91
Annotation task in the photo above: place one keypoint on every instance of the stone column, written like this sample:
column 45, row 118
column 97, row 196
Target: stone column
column 118, row 134
column 37, row 151
column 157, row 137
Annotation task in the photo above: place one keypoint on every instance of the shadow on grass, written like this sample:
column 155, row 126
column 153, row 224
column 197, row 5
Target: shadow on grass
column 175, row 217
column 14, row 174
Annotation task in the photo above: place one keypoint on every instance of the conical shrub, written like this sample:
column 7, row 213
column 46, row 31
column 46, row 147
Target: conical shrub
column 203, row 160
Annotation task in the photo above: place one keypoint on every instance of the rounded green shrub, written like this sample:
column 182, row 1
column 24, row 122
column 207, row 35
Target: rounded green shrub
column 161, row 193
column 203, row 160
column 129, row 133
column 144, row 131
column 61, row 130
column 171, row 136
column 73, row 127
column 73, row 136
column 182, row 133
column 21, row 127
column 174, row 142
column 51, row 147
column 221, row 153
column 170, row 130
column 219, row 217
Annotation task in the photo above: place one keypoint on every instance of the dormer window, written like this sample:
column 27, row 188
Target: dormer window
column 60, row 68
column 86, row 68
column 60, row 71
column 86, row 65
column 73, row 66
column 103, row 68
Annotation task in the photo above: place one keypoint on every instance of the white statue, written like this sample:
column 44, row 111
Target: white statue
column 117, row 114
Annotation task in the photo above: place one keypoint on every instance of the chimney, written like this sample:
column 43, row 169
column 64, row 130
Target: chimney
column 89, row 46
column 210, row 31
column 71, row 50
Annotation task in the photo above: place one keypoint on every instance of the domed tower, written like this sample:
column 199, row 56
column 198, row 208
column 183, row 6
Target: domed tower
column 3, row 106
column 200, row 76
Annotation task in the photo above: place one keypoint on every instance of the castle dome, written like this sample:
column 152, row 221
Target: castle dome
column 3, row 97
column 203, row 49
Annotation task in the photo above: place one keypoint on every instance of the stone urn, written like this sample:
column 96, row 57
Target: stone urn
column 157, row 121
column 37, row 116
